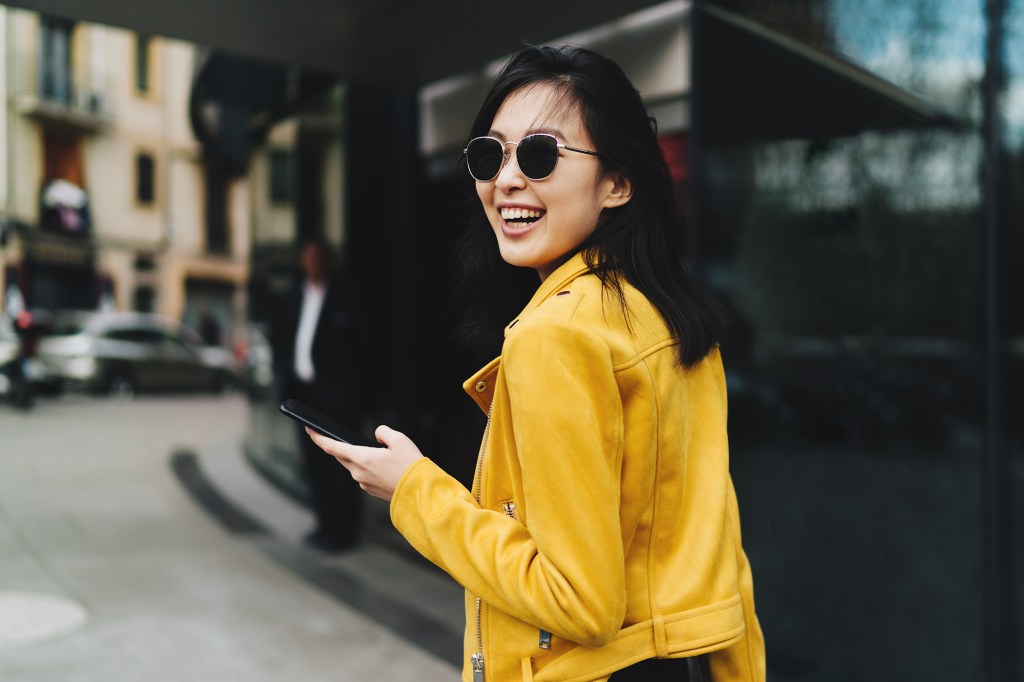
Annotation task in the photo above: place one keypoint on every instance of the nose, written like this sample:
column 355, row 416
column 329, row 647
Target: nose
column 510, row 177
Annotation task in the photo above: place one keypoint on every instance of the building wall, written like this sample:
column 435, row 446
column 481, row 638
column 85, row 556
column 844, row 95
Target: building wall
column 24, row 145
column 169, row 231
column 272, row 223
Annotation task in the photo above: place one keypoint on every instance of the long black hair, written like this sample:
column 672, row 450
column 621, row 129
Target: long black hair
column 640, row 241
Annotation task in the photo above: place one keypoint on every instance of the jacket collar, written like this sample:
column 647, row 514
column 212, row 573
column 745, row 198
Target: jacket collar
column 555, row 282
column 480, row 386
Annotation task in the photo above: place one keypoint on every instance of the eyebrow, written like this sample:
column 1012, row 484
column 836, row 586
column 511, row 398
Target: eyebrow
column 532, row 131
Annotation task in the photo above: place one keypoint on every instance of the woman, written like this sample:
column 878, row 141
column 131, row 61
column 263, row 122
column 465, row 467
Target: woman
column 601, row 537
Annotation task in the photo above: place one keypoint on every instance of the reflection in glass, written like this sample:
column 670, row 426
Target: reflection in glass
column 854, row 264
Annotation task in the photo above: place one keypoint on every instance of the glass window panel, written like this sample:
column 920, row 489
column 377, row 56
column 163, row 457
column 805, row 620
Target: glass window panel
column 854, row 266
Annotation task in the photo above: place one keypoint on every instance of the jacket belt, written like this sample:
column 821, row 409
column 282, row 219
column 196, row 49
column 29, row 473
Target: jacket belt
column 675, row 636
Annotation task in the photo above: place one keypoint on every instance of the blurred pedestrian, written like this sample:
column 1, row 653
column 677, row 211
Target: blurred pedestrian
column 601, row 537
column 316, row 349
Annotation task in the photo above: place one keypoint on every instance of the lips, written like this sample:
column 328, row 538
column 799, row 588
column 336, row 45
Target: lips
column 516, row 220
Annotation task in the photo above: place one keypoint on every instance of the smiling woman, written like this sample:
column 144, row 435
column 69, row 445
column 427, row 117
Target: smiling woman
column 541, row 217
column 600, row 537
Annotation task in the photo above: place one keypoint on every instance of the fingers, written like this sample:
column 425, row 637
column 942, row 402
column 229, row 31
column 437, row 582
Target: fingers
column 376, row 470
column 332, row 447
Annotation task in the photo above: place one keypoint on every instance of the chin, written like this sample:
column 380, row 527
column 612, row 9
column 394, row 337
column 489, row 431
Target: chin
column 518, row 260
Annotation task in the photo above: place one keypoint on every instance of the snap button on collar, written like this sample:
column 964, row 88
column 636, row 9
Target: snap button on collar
column 481, row 386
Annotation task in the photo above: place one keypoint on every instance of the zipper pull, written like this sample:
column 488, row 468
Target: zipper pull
column 477, row 660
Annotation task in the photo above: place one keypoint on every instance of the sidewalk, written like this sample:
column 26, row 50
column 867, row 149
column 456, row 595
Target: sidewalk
column 401, row 591
column 151, row 587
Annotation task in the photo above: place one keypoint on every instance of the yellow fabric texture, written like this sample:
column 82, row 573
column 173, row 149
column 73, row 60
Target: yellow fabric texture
column 607, row 515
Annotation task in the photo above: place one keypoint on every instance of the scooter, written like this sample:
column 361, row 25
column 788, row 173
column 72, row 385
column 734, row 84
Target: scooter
column 15, row 386
column 19, row 368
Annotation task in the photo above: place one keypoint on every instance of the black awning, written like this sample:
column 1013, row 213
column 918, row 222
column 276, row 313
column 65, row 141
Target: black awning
column 396, row 42
column 756, row 83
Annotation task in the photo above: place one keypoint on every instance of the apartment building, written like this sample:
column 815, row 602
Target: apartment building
column 106, row 200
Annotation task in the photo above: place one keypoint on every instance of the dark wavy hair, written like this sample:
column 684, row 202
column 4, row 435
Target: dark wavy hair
column 640, row 242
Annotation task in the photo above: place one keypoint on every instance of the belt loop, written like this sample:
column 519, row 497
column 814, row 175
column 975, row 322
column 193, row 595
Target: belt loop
column 660, row 637
column 527, row 669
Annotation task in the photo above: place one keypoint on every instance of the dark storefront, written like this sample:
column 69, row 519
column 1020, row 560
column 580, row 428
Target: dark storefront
column 869, row 256
column 56, row 271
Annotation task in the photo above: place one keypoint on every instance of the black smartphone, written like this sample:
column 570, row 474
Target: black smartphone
column 321, row 423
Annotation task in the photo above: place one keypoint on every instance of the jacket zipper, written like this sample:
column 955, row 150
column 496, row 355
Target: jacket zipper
column 477, row 660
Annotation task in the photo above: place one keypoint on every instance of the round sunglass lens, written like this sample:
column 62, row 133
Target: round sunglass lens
column 484, row 157
column 537, row 156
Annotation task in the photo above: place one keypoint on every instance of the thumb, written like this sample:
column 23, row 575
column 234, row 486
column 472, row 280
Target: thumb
column 388, row 437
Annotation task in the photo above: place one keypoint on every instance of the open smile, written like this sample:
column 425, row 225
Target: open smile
column 516, row 220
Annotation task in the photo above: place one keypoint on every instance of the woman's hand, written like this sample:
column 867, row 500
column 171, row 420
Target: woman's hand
column 376, row 470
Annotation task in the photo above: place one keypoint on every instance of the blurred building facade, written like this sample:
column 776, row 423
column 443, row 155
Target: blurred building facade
column 103, row 195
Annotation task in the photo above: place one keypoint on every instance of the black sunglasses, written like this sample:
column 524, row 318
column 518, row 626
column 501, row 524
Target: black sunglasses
column 536, row 155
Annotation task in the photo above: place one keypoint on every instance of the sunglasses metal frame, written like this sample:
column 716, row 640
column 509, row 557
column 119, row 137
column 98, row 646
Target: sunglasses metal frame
column 506, row 155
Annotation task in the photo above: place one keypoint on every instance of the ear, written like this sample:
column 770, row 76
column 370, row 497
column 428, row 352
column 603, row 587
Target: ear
column 620, row 193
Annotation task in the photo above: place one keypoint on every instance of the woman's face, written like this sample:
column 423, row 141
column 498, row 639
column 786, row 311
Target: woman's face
column 540, row 223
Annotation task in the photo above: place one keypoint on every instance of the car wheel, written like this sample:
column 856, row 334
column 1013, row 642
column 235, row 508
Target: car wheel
column 121, row 386
column 22, row 395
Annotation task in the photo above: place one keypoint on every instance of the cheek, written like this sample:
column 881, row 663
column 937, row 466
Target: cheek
column 483, row 192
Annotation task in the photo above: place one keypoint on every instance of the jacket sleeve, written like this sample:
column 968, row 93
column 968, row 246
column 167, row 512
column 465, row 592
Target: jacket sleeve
column 562, row 571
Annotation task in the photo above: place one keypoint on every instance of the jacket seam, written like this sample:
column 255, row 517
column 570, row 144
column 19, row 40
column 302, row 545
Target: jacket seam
column 644, row 354
column 652, row 607
column 743, row 604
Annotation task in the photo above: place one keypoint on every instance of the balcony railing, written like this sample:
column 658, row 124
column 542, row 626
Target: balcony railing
column 78, row 98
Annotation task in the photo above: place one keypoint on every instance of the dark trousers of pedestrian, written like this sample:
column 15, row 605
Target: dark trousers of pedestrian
column 335, row 498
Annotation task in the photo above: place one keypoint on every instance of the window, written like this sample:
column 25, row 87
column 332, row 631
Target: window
column 134, row 335
column 55, row 59
column 216, row 209
column 280, row 174
column 144, row 299
column 144, row 262
column 144, row 178
column 142, row 63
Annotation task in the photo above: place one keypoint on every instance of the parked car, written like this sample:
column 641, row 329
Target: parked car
column 121, row 353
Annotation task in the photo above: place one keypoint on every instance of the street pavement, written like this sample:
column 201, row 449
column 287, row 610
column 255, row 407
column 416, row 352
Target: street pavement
column 111, row 570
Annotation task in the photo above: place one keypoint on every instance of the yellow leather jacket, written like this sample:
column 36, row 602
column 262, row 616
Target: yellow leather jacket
column 602, row 528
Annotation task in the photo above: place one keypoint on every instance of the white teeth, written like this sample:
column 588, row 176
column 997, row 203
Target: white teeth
column 518, row 213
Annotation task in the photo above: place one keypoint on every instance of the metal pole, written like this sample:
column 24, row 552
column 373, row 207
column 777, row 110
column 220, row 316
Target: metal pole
column 695, row 146
column 996, row 482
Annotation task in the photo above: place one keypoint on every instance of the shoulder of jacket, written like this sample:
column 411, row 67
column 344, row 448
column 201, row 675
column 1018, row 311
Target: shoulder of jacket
column 587, row 301
column 572, row 304
column 586, row 311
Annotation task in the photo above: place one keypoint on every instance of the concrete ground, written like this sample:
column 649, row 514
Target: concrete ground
column 112, row 569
